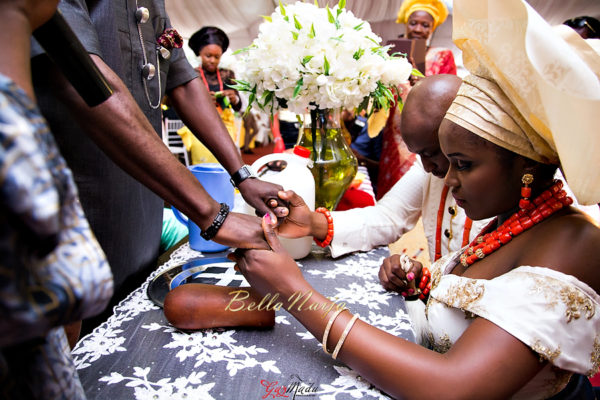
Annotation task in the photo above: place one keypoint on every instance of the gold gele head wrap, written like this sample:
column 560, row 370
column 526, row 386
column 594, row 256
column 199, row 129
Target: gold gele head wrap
column 481, row 107
column 436, row 8
column 534, row 90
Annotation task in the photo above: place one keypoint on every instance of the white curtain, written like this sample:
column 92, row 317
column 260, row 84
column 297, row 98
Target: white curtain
column 240, row 18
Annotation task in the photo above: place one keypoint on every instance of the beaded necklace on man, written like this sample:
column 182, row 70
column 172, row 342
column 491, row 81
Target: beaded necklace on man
column 542, row 207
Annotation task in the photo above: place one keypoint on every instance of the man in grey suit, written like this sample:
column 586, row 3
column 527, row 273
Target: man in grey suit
column 121, row 166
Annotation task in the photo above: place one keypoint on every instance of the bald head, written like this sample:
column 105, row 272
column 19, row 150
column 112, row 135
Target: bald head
column 422, row 115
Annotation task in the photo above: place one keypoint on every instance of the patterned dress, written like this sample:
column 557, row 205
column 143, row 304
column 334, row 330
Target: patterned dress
column 53, row 269
column 554, row 314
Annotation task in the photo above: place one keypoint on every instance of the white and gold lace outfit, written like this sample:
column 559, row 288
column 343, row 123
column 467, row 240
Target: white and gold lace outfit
column 554, row 314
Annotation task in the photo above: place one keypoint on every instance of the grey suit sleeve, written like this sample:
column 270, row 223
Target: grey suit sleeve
column 77, row 16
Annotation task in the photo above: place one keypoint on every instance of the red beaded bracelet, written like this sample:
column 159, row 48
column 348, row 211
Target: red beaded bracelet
column 425, row 284
column 327, row 241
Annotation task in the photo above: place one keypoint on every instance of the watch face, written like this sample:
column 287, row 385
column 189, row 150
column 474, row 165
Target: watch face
column 250, row 171
column 242, row 174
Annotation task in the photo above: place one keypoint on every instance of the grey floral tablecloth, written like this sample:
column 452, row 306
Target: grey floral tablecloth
column 136, row 354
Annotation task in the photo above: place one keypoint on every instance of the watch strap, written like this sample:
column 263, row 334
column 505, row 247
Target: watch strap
column 242, row 174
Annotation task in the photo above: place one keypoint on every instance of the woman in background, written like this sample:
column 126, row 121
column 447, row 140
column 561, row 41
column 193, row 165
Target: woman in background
column 209, row 44
column 421, row 17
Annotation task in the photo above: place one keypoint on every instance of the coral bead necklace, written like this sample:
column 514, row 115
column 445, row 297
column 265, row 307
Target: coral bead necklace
column 542, row 207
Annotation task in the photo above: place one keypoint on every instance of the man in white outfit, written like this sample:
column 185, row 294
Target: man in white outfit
column 420, row 192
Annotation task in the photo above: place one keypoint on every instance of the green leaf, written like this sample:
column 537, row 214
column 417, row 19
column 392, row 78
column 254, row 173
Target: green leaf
column 267, row 18
column 241, row 85
column 295, row 35
column 297, row 23
column 267, row 97
column 286, row 18
column 316, row 3
column 359, row 26
column 342, row 4
column 243, row 50
column 418, row 73
column 339, row 11
column 358, row 54
column 380, row 50
column 312, row 32
column 339, row 38
column 251, row 98
column 299, row 84
column 326, row 66
column 330, row 15
column 226, row 102
column 306, row 60
column 372, row 40
column 364, row 104
column 282, row 8
column 247, row 111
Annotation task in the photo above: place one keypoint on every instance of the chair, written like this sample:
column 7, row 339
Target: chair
column 172, row 140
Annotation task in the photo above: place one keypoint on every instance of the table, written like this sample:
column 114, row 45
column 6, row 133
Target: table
column 136, row 354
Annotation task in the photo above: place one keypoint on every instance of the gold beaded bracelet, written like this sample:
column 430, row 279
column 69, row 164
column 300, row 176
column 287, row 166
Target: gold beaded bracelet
column 328, row 328
column 340, row 342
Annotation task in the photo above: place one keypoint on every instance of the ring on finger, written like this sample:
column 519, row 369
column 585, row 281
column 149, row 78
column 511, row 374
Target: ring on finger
column 405, row 263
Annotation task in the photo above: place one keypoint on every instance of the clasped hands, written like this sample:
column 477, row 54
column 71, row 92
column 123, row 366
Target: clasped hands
column 261, row 267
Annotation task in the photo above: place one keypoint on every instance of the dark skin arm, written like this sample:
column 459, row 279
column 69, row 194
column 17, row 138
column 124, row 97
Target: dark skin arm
column 301, row 221
column 195, row 107
column 121, row 130
column 471, row 369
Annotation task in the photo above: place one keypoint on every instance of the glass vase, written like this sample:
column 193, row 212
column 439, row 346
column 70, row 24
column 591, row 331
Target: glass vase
column 334, row 164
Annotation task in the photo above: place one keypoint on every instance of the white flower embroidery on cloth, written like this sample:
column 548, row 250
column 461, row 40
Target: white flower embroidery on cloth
column 211, row 346
column 182, row 388
column 369, row 294
column 349, row 382
column 216, row 346
column 361, row 268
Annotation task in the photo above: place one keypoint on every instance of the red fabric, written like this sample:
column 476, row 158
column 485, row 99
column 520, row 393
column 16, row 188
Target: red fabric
column 355, row 198
column 277, row 139
column 394, row 155
column 595, row 380
column 439, row 61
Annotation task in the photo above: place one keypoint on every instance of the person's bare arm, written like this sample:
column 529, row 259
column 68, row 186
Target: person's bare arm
column 486, row 361
column 123, row 132
column 194, row 105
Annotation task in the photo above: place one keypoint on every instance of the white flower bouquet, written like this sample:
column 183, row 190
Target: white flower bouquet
column 307, row 57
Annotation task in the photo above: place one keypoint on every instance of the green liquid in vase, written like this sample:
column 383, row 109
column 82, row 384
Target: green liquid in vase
column 334, row 165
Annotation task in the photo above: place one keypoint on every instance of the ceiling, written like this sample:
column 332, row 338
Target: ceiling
column 240, row 18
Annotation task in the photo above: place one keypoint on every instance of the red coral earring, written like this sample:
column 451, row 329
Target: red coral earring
column 524, row 203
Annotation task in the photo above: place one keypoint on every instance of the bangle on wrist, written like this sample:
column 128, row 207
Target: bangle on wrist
column 212, row 230
column 340, row 342
column 327, row 241
column 328, row 328
column 425, row 283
